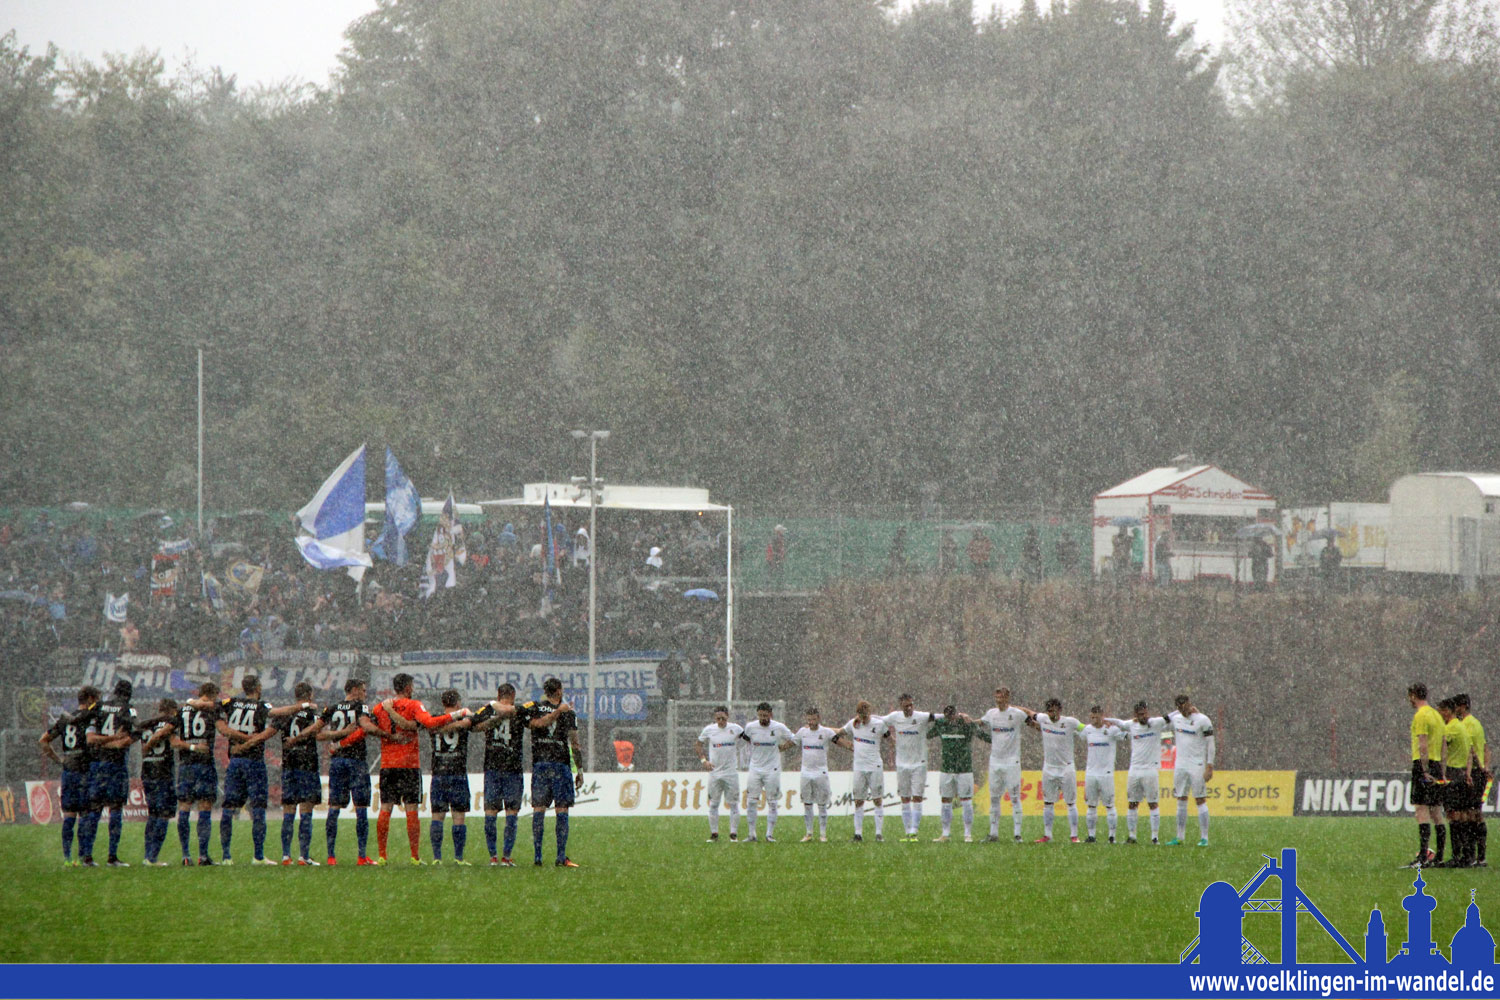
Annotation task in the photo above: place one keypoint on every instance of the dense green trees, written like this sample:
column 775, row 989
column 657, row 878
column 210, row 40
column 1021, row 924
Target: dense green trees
column 784, row 248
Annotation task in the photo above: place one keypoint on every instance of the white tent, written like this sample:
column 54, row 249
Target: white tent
column 660, row 498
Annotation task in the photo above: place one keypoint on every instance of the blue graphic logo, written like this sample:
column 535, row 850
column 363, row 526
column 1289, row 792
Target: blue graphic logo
column 1418, row 963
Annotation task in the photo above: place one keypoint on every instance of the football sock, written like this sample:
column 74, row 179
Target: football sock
column 69, row 822
column 538, row 827
column 1424, row 833
column 947, row 814
column 822, row 820
column 1203, row 821
column 1015, row 818
column 304, row 834
column 1480, row 835
column 362, row 828
column 435, row 834
column 995, row 818
column 510, row 832
column 713, row 819
column 288, row 823
column 968, row 819
column 916, row 817
column 734, row 817
column 1442, row 839
column 1155, row 823
column 116, row 827
column 906, row 818
column 226, row 832
column 258, row 830
column 460, row 838
column 1072, row 820
column 382, row 831
column 158, row 837
column 413, row 832
column 750, row 817
column 490, row 834
column 879, row 818
column 807, row 817
column 771, row 820
column 1181, row 818
column 1132, row 821
column 1092, row 820
column 1047, row 819
column 562, row 836
column 331, row 832
column 88, row 828
column 150, row 835
column 205, row 830
column 1112, row 820
column 859, row 821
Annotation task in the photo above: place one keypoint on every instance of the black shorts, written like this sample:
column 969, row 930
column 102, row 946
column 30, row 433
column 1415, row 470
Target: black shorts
column 1457, row 793
column 1424, row 793
column 400, row 786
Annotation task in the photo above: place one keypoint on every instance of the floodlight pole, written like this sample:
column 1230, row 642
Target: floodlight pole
column 594, row 438
column 200, row 445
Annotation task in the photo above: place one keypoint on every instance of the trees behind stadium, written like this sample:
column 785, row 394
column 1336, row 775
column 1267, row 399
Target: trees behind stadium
column 785, row 249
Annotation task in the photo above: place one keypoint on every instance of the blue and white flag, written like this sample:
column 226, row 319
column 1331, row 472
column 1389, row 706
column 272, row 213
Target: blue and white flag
column 403, row 509
column 116, row 608
column 335, row 517
column 213, row 592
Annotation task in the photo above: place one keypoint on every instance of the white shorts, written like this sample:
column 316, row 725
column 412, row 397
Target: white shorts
column 815, row 790
column 911, row 780
column 869, row 785
column 1189, row 781
column 1099, row 789
column 721, row 785
column 1143, row 786
column 956, row 786
column 1005, row 780
column 1060, row 786
column 763, row 781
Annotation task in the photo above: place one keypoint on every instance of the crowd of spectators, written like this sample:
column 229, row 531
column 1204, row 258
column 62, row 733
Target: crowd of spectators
column 244, row 585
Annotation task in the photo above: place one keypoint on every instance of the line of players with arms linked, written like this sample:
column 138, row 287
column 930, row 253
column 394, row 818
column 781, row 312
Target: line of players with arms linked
column 910, row 730
column 1450, row 780
column 178, row 773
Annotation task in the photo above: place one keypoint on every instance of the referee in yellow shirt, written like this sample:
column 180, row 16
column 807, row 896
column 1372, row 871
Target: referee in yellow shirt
column 1482, row 774
column 1426, row 770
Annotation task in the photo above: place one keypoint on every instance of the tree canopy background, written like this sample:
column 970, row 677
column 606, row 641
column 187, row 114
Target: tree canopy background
column 786, row 249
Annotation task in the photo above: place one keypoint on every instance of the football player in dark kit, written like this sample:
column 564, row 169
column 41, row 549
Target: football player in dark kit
column 197, row 778
column 111, row 731
column 554, row 730
column 68, row 734
column 504, row 727
column 157, row 766
column 450, row 782
column 346, row 723
column 245, row 721
column 300, row 788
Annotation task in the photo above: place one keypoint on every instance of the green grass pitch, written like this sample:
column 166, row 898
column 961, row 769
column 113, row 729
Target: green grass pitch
column 654, row 891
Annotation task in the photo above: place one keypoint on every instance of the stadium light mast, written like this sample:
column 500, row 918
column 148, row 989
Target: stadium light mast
column 593, row 437
column 200, row 445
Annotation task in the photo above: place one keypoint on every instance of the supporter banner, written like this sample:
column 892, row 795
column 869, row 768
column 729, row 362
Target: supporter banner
column 153, row 675
column 1359, row 794
column 620, row 685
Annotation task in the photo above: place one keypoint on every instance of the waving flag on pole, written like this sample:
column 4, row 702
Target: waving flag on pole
column 403, row 508
column 335, row 518
column 445, row 551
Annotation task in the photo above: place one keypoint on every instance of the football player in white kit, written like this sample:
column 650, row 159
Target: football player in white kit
column 1002, row 726
column 718, row 749
column 1102, row 737
column 1059, row 767
column 869, row 766
column 815, row 738
column 1195, row 766
column 910, row 728
column 767, row 739
column 1143, row 783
